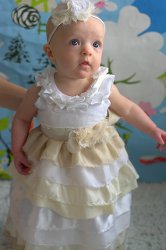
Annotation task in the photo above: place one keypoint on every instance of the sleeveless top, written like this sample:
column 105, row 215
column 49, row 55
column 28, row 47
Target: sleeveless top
column 57, row 110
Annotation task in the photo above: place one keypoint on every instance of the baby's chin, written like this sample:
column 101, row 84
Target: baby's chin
column 85, row 76
column 86, row 73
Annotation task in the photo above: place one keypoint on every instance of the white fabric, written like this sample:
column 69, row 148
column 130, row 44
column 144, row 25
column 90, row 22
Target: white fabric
column 79, row 176
column 80, row 111
column 42, row 226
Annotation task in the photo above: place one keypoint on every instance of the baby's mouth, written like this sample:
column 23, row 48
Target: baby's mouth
column 86, row 63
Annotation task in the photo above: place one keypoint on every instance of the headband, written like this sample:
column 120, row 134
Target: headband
column 72, row 11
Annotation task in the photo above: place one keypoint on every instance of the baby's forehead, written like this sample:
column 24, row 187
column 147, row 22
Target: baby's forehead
column 80, row 33
column 92, row 26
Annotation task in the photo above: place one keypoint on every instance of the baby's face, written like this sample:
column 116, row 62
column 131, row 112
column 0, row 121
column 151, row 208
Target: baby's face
column 77, row 48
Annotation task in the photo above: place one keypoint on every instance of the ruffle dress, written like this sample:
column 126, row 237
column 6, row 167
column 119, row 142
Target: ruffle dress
column 78, row 195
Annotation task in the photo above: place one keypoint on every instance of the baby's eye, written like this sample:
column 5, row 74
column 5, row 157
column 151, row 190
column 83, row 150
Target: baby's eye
column 96, row 44
column 74, row 42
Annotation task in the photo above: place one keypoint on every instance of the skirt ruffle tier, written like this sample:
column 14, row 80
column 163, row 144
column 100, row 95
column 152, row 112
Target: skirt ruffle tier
column 78, row 194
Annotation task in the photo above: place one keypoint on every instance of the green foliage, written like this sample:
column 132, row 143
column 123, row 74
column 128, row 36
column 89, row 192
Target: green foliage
column 2, row 152
column 5, row 152
column 4, row 122
column 4, row 175
column 126, row 132
column 162, row 76
column 127, row 80
column 17, row 51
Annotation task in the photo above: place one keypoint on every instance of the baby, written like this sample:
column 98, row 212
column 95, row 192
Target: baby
column 72, row 176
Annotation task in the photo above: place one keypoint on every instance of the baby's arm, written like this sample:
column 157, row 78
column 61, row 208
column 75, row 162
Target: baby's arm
column 20, row 129
column 133, row 114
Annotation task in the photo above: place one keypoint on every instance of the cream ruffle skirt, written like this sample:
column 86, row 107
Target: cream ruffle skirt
column 77, row 196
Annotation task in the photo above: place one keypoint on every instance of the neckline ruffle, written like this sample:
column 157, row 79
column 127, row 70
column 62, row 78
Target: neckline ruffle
column 50, row 93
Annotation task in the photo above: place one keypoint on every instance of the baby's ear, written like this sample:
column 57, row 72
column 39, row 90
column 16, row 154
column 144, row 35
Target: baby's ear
column 48, row 51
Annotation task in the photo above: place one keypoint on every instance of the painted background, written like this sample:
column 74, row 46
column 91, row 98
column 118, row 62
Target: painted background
column 135, row 51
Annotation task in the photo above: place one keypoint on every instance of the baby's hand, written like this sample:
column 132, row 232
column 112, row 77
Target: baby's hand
column 22, row 164
column 160, row 136
column 161, row 146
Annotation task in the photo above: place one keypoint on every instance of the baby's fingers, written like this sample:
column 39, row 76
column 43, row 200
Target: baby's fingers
column 22, row 165
column 23, row 169
column 161, row 139
column 161, row 146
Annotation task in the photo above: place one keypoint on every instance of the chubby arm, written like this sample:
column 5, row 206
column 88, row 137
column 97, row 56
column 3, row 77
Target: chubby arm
column 11, row 94
column 134, row 115
column 20, row 129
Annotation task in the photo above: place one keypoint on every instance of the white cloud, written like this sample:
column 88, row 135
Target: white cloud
column 133, row 52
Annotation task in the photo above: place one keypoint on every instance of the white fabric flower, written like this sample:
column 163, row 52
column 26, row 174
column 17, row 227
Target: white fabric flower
column 70, row 10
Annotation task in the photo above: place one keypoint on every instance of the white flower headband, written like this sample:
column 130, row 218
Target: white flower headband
column 72, row 11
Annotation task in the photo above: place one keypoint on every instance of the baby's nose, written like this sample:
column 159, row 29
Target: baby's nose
column 86, row 50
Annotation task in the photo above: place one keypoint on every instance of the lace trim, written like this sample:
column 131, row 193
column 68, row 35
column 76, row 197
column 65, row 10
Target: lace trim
column 49, row 93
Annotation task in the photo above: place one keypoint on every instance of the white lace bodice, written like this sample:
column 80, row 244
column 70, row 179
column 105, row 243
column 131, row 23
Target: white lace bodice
column 57, row 110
